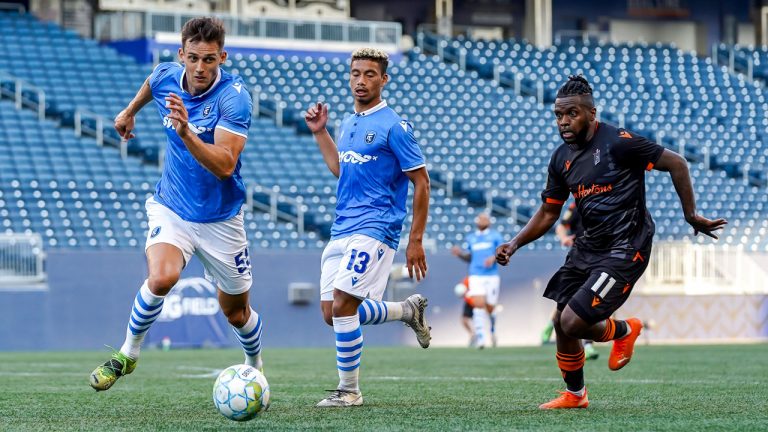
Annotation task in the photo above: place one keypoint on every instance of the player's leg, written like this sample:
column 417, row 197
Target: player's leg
column 478, row 292
column 411, row 311
column 570, row 360
column 589, row 350
column 466, row 322
column 223, row 251
column 246, row 324
column 168, row 249
column 349, row 350
column 348, row 335
column 588, row 314
column 546, row 334
column 570, row 355
column 492, row 299
column 361, row 270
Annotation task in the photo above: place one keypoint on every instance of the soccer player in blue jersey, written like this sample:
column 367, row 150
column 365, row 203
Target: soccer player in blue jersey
column 376, row 156
column 196, row 208
column 484, row 282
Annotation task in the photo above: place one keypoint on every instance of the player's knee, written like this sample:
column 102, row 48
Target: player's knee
column 237, row 317
column 571, row 324
column 160, row 282
column 327, row 309
column 328, row 316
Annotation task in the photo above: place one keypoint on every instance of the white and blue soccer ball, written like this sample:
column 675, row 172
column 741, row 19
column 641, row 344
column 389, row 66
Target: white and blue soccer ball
column 241, row 392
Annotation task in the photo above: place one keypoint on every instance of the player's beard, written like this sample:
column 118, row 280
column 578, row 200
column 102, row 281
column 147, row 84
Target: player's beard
column 580, row 139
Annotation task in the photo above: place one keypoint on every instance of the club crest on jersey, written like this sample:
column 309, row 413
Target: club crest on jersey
column 206, row 110
column 369, row 137
column 596, row 155
column 155, row 232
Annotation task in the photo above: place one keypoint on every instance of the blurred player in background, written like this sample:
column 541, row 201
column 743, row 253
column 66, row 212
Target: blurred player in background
column 484, row 282
column 567, row 231
column 604, row 168
column 461, row 290
column 376, row 156
column 196, row 206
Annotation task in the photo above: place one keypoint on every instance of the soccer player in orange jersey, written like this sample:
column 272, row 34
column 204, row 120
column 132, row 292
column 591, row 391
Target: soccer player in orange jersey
column 603, row 167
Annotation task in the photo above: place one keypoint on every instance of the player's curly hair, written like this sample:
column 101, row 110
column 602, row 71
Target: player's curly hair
column 577, row 85
column 203, row 29
column 372, row 54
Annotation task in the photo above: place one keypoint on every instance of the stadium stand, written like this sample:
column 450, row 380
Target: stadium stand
column 494, row 139
column 278, row 158
column 663, row 91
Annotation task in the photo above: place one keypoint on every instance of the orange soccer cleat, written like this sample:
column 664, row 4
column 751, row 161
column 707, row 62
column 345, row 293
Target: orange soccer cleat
column 622, row 350
column 567, row 400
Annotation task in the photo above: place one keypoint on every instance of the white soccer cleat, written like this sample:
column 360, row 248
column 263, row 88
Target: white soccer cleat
column 418, row 321
column 341, row 398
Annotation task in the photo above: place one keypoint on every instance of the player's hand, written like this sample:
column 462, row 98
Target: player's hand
column 316, row 117
column 178, row 115
column 488, row 263
column 503, row 253
column 456, row 251
column 124, row 124
column 416, row 260
column 567, row 241
column 706, row 226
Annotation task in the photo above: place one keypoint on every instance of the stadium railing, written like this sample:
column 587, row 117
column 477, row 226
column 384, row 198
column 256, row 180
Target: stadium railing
column 22, row 261
column 131, row 25
column 279, row 206
column 695, row 269
column 24, row 94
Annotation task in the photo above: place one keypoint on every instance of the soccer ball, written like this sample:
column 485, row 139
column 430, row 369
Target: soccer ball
column 460, row 289
column 241, row 392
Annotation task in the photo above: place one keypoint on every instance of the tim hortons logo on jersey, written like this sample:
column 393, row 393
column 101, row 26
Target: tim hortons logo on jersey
column 350, row 156
column 595, row 189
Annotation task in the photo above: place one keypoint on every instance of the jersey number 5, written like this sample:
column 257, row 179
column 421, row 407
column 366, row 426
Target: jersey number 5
column 362, row 259
column 243, row 262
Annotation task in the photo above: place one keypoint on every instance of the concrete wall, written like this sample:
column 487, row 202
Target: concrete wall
column 90, row 295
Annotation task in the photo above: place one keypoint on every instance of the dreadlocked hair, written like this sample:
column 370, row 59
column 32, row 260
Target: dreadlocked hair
column 577, row 85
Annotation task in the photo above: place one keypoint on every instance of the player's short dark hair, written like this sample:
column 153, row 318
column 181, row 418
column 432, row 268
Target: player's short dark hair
column 576, row 85
column 374, row 55
column 204, row 29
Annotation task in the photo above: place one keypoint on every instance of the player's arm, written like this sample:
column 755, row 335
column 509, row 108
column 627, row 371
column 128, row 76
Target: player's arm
column 126, row 119
column 553, row 197
column 416, row 259
column 463, row 254
column 563, row 229
column 316, row 118
column 540, row 223
column 220, row 158
column 677, row 167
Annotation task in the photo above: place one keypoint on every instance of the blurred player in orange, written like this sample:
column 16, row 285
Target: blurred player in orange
column 604, row 168
column 462, row 289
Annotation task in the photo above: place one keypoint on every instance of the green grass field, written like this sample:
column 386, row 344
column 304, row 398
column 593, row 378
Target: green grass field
column 687, row 388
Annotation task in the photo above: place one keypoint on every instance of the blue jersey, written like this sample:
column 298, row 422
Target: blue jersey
column 481, row 245
column 376, row 147
column 185, row 186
